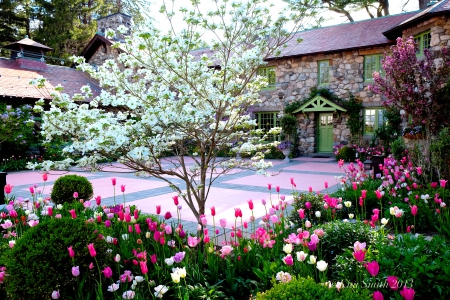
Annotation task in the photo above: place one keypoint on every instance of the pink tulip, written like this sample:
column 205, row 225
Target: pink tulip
column 50, row 211
column 288, row 260
column 71, row 252
column 364, row 194
column 250, row 204
column 98, row 200
column 158, row 209
column 75, row 195
column 359, row 255
column 301, row 213
column 269, row 186
column 45, row 176
column 122, row 188
column 237, row 212
column 378, row 194
column 223, row 223
column 407, row 294
column 113, row 181
column 277, row 188
column 91, row 266
column 144, row 268
column 206, row 239
column 433, row 185
column 92, row 250
column 175, row 200
column 8, row 188
column 55, row 295
column 137, row 228
column 392, row 282
column 414, row 210
column 361, row 201
column 326, row 184
column 213, row 211
column 314, row 238
column 73, row 213
column 136, row 214
column 377, row 295
column 355, row 186
column 153, row 258
column 31, row 190
column 193, row 241
column 168, row 229
column 76, row 271
column 107, row 272
column 373, row 268
column 443, row 183
column 310, row 189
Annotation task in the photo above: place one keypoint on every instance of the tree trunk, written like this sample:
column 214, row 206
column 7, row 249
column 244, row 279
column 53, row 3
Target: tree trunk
column 423, row 4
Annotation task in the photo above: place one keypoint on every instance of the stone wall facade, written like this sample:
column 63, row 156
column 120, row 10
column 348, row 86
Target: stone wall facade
column 113, row 22
column 103, row 53
column 439, row 27
column 296, row 76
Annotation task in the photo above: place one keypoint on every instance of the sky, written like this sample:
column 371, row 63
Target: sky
column 395, row 7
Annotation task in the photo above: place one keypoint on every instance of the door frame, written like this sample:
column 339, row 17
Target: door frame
column 319, row 114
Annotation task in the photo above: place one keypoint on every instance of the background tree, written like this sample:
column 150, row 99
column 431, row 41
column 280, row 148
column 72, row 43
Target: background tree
column 11, row 20
column 175, row 100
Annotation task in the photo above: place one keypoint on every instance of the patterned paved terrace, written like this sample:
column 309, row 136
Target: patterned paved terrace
column 228, row 192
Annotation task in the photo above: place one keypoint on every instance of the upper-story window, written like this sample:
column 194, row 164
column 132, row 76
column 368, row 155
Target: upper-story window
column 323, row 72
column 372, row 63
column 423, row 42
column 269, row 73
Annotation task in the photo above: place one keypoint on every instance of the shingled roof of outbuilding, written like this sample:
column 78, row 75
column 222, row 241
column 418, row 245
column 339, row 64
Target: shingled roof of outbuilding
column 14, row 81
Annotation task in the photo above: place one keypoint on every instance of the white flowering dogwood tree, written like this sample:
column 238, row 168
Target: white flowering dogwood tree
column 163, row 101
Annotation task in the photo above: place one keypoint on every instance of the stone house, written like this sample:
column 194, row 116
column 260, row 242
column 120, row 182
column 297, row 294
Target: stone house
column 342, row 59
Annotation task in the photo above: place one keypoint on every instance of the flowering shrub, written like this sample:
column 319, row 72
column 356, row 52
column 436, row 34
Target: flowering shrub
column 345, row 152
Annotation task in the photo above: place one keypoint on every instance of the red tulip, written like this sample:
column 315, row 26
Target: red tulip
column 92, row 250
column 136, row 214
column 378, row 194
column 122, row 188
column 278, row 188
column 71, row 252
column 326, row 184
column 8, row 188
column 98, row 200
column 50, row 211
column 153, row 259
column 355, row 186
column 45, row 176
column 168, row 215
column 433, row 185
column 373, row 268
column 113, row 181
column 137, row 228
column 269, row 186
column 364, row 194
column 31, row 190
column 175, row 200
column 361, row 201
column 158, row 209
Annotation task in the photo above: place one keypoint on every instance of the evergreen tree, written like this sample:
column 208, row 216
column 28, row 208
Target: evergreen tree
column 11, row 21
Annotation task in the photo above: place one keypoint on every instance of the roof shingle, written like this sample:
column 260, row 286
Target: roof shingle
column 14, row 81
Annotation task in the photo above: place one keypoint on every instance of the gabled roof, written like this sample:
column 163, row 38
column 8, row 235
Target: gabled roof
column 442, row 7
column 346, row 36
column 96, row 42
column 14, row 81
column 27, row 42
column 319, row 104
column 118, row 13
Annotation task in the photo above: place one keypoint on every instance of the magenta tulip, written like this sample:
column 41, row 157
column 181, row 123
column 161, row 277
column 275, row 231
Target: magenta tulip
column 414, row 210
column 107, row 272
column 113, row 181
column 71, row 252
column 407, row 294
column 91, row 249
column 373, row 268
column 377, row 295
column 392, row 282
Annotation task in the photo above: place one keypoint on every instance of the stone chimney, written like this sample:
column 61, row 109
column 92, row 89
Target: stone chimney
column 113, row 22
column 28, row 54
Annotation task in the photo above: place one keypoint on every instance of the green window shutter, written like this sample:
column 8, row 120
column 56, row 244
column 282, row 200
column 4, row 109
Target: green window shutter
column 323, row 72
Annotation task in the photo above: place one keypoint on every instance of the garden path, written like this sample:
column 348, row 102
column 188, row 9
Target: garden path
column 228, row 192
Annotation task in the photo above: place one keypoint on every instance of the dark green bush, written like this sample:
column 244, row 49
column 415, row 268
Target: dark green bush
column 39, row 263
column 425, row 263
column 299, row 202
column 346, row 153
column 307, row 288
column 65, row 186
column 340, row 236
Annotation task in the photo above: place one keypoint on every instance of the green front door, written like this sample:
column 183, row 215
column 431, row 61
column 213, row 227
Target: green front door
column 325, row 133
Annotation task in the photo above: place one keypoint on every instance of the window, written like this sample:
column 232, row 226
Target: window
column 373, row 119
column 423, row 42
column 266, row 121
column 269, row 73
column 372, row 63
column 323, row 71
